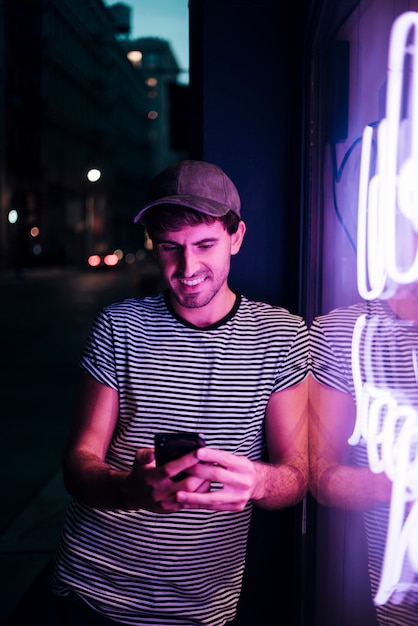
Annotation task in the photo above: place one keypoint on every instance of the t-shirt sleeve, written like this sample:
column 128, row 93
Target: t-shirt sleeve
column 328, row 363
column 294, row 366
column 98, row 356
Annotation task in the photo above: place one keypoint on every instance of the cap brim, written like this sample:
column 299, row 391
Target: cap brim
column 202, row 205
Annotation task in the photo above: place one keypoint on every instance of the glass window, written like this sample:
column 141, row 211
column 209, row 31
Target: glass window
column 362, row 302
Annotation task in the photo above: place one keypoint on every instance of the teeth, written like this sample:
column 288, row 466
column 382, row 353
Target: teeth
column 192, row 283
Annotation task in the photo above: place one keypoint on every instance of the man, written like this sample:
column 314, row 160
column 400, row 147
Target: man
column 139, row 547
column 363, row 430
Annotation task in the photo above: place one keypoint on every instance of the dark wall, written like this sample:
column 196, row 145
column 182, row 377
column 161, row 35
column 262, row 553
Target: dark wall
column 246, row 110
column 246, row 106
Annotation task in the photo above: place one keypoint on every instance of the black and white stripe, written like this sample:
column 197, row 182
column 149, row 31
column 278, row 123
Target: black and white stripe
column 387, row 362
column 139, row 567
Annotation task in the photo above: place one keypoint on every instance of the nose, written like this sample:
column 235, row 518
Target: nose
column 189, row 263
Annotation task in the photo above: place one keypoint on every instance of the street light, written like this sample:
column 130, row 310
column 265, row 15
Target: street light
column 93, row 175
column 13, row 216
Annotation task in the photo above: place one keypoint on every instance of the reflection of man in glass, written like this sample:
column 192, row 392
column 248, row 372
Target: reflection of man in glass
column 364, row 392
column 364, row 436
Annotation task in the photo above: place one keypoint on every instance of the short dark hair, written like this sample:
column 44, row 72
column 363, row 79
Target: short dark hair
column 165, row 217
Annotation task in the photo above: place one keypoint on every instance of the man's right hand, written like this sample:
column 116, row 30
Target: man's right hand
column 153, row 488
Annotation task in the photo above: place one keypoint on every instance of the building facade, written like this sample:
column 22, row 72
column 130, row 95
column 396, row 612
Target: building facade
column 70, row 100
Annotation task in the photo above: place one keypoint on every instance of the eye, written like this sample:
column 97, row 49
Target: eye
column 206, row 245
column 168, row 247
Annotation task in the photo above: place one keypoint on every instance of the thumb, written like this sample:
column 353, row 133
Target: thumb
column 145, row 456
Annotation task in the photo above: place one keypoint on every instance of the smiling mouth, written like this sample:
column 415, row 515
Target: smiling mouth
column 191, row 282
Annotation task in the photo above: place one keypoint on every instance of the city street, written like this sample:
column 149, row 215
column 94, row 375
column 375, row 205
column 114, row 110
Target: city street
column 44, row 318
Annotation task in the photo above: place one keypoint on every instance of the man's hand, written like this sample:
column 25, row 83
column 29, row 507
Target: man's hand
column 233, row 481
column 153, row 488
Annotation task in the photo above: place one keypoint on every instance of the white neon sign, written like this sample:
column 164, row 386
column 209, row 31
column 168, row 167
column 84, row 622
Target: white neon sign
column 390, row 429
column 388, row 201
column 387, row 225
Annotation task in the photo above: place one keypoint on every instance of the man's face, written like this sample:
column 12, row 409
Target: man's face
column 195, row 263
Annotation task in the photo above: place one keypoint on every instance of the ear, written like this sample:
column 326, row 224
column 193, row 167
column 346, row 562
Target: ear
column 237, row 237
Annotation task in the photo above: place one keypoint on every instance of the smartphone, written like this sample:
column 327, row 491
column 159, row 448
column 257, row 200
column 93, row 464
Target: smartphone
column 171, row 446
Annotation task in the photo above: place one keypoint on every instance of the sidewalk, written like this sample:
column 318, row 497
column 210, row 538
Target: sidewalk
column 43, row 327
column 27, row 551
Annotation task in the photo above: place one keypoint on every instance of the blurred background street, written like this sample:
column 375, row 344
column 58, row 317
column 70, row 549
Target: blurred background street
column 44, row 318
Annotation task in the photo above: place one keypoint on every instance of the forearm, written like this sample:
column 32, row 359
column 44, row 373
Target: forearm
column 93, row 482
column 279, row 486
column 351, row 487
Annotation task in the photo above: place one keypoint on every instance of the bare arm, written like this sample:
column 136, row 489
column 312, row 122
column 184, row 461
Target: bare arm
column 280, row 483
column 91, row 480
column 333, row 481
column 86, row 475
column 283, row 482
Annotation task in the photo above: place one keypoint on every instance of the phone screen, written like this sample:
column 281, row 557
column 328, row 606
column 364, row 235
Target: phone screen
column 171, row 446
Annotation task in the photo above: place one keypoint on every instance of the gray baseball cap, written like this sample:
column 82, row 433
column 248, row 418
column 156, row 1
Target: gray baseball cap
column 196, row 185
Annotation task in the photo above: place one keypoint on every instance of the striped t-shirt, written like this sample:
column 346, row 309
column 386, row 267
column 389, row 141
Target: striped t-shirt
column 383, row 362
column 140, row 567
